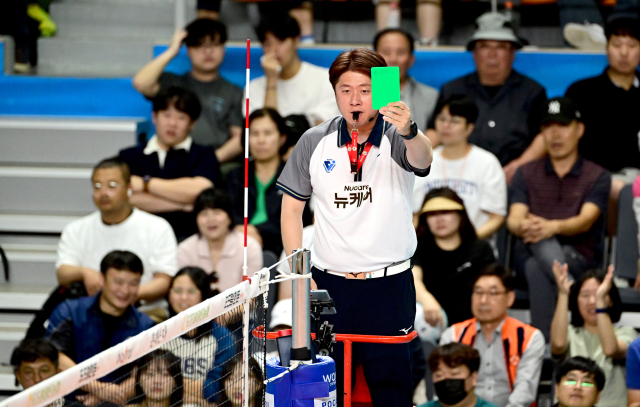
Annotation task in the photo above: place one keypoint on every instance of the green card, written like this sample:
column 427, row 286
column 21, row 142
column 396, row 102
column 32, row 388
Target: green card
column 385, row 86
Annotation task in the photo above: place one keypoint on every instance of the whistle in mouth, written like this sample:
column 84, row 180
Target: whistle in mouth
column 355, row 116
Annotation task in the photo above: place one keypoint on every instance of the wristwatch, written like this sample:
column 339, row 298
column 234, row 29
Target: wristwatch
column 145, row 183
column 412, row 133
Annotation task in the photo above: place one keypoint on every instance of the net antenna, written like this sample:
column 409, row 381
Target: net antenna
column 245, row 343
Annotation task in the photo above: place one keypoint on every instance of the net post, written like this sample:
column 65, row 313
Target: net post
column 301, row 338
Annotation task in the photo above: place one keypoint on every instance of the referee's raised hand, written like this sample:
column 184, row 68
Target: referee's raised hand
column 398, row 114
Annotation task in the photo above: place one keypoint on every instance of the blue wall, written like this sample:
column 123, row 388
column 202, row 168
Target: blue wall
column 25, row 95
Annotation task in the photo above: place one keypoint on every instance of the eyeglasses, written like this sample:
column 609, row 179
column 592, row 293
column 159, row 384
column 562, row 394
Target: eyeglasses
column 582, row 384
column 189, row 291
column 490, row 294
column 450, row 120
column 110, row 185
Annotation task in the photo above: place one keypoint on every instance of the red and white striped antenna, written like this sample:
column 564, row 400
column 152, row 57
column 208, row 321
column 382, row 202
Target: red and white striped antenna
column 246, row 162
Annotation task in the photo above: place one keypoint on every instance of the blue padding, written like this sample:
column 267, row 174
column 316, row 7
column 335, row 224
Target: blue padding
column 304, row 386
column 42, row 96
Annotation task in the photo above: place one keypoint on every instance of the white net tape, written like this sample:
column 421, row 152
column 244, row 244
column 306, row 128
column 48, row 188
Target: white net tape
column 136, row 347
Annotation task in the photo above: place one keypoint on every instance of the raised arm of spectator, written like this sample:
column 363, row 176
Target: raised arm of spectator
column 146, row 80
column 611, row 346
column 431, row 306
column 525, row 386
column 180, row 190
column 560, row 324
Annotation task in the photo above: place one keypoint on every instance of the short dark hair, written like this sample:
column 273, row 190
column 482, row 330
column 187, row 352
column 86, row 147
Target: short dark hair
column 357, row 60
column 175, row 370
column 497, row 270
column 460, row 105
column 453, row 355
column 614, row 311
column 180, row 98
column 198, row 31
column 466, row 229
column 384, row 32
column 622, row 25
column 281, row 25
column 214, row 198
column 114, row 162
column 273, row 114
column 121, row 260
column 584, row 365
column 32, row 349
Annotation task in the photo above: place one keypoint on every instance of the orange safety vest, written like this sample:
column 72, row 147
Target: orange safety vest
column 515, row 339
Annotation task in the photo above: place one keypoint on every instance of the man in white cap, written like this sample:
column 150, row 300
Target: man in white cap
column 508, row 102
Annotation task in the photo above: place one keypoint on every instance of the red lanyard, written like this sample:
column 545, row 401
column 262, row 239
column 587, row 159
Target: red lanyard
column 352, row 149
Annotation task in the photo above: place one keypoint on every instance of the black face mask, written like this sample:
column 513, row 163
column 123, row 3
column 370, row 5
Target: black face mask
column 450, row 391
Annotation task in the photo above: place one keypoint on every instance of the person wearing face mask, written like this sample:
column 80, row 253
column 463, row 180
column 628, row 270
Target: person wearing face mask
column 217, row 247
column 455, row 375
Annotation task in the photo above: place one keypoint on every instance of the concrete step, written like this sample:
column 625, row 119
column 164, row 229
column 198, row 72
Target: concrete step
column 8, row 380
column 102, row 57
column 29, row 263
column 65, row 141
column 46, row 190
column 27, row 298
column 38, row 224
column 11, row 333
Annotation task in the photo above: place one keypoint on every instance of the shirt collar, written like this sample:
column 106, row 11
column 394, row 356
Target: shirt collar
column 375, row 137
column 497, row 332
column 154, row 147
column 635, row 84
column 574, row 172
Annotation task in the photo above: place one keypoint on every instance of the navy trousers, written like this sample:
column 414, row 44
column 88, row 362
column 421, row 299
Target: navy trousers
column 379, row 306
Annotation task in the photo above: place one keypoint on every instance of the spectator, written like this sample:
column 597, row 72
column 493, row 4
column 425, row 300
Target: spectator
column 582, row 22
column 614, row 93
column 204, row 350
column 396, row 47
column 556, row 208
column 221, row 123
column 595, row 306
column 508, row 102
column 579, row 382
column 499, row 338
column 208, row 9
column 217, row 247
column 170, row 170
column 448, row 258
column 455, row 376
column 300, row 10
column 232, row 377
column 159, row 380
column 33, row 361
column 84, row 327
column 428, row 18
column 633, row 374
column 116, row 225
column 475, row 174
column 289, row 85
column 267, row 136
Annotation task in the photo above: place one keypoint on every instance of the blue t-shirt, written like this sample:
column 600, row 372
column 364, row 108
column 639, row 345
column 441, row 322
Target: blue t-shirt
column 479, row 403
column 633, row 365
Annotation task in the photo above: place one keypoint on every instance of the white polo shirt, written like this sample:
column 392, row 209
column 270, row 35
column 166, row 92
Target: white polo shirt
column 362, row 222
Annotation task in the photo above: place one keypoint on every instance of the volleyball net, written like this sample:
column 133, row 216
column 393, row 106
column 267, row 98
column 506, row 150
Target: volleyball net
column 203, row 356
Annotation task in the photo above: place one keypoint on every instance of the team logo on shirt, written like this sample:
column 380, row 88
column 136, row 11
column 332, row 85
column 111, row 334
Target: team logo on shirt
column 329, row 165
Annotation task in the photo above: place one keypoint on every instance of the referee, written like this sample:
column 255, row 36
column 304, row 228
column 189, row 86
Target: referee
column 360, row 168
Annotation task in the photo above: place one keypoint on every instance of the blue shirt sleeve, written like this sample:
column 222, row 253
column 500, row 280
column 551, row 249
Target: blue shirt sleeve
column 633, row 365
column 60, row 330
column 211, row 384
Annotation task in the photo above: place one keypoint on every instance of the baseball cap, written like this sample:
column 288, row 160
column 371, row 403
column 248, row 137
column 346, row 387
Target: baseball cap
column 560, row 110
column 440, row 203
column 281, row 314
column 494, row 26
